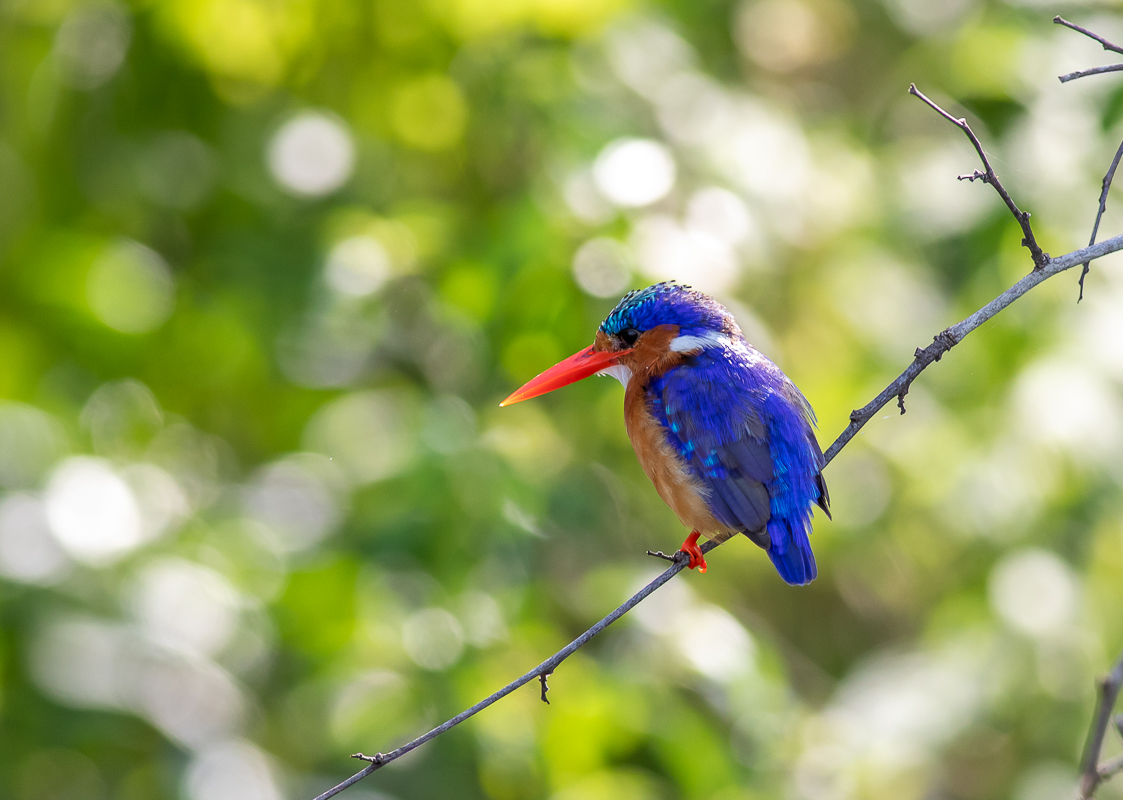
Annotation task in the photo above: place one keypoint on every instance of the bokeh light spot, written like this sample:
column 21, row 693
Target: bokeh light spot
column 295, row 501
column 28, row 552
column 92, row 511
column 433, row 638
column 602, row 267
column 130, row 288
column 357, row 266
column 429, row 113
column 784, row 35
column 185, row 605
column 668, row 251
column 91, row 43
column 231, row 770
column 634, row 172
column 1034, row 591
column 30, row 442
column 370, row 435
column 312, row 155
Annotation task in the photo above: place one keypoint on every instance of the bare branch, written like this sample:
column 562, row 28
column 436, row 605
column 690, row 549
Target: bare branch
column 947, row 339
column 1110, row 176
column 1092, row 772
column 1084, row 73
column 988, row 175
column 943, row 342
column 1058, row 20
column 1104, row 189
column 545, row 668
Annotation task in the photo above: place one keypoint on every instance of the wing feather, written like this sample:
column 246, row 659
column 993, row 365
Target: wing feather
column 746, row 434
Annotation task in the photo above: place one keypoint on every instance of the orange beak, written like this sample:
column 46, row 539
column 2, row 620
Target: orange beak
column 579, row 365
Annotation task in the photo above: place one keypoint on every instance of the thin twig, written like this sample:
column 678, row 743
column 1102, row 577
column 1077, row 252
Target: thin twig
column 1104, row 189
column 950, row 337
column 1106, row 44
column 1105, row 186
column 988, row 175
column 1084, row 73
column 1092, row 772
column 944, row 342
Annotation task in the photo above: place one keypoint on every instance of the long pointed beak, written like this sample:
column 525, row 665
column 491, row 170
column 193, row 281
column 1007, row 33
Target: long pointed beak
column 579, row 365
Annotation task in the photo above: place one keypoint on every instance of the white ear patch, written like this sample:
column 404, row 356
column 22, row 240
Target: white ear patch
column 619, row 372
column 685, row 344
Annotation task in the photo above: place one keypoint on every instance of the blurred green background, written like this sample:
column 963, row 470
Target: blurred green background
column 268, row 266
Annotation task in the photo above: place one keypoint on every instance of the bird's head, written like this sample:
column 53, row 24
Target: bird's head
column 650, row 331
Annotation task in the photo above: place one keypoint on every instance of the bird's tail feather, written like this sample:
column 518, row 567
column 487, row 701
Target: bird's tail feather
column 790, row 551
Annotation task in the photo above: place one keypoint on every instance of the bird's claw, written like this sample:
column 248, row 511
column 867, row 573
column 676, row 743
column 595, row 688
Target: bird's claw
column 691, row 548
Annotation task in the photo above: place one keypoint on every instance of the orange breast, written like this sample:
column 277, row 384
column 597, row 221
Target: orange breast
column 679, row 489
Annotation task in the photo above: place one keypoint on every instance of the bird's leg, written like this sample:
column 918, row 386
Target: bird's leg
column 691, row 548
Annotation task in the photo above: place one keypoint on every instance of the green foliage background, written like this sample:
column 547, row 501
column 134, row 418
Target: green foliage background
column 260, row 509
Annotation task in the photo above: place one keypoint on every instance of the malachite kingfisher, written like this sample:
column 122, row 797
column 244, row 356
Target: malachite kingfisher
column 725, row 436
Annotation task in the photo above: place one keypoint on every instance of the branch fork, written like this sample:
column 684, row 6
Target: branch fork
column 1093, row 771
column 988, row 175
column 1110, row 175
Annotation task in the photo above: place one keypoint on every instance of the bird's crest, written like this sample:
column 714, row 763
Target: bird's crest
column 668, row 303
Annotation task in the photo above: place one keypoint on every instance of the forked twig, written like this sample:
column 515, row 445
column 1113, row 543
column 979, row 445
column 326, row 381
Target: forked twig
column 1105, row 187
column 988, row 175
column 1110, row 175
column 1093, row 773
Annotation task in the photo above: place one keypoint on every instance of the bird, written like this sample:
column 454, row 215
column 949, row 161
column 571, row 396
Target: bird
column 723, row 434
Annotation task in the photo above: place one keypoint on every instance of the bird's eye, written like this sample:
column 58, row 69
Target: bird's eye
column 628, row 336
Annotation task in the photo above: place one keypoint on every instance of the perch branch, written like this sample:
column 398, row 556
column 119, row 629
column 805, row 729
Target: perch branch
column 943, row 342
column 988, row 175
column 950, row 337
column 1094, row 773
column 543, row 669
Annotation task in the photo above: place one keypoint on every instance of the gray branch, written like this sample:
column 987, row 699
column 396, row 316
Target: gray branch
column 1109, row 176
column 1058, row 20
column 1105, row 187
column 1084, row 73
column 949, row 337
column 546, row 668
column 1093, row 773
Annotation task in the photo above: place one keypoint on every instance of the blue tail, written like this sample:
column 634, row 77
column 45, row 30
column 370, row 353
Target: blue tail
column 791, row 554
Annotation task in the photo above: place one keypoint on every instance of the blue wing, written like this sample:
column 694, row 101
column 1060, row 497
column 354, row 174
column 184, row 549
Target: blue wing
column 746, row 433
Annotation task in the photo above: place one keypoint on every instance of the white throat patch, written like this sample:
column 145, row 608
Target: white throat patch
column 686, row 344
column 619, row 372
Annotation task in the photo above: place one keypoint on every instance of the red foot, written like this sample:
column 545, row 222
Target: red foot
column 691, row 548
